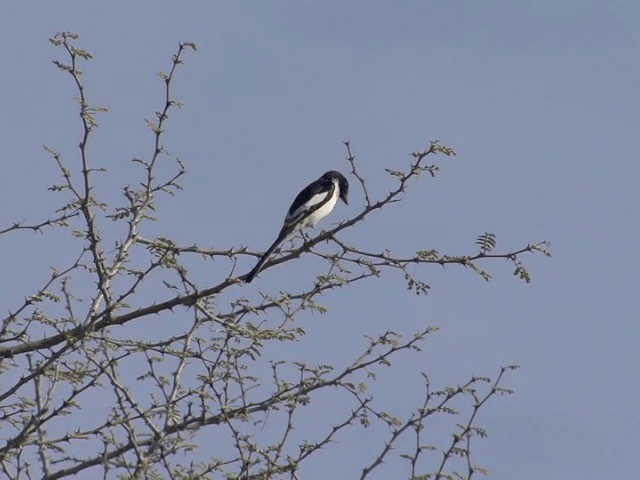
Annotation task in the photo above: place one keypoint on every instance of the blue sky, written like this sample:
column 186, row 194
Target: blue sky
column 539, row 99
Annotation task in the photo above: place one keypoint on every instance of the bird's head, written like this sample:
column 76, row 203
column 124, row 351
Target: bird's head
column 343, row 184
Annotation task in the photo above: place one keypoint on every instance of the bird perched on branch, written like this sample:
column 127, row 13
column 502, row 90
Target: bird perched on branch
column 312, row 204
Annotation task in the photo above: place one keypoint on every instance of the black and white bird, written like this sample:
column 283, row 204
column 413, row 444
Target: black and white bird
column 312, row 204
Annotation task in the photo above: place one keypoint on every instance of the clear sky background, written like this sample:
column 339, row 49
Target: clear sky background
column 540, row 100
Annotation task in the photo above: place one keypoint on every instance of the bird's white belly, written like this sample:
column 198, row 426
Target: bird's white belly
column 322, row 212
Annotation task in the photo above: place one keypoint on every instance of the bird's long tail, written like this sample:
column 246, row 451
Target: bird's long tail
column 283, row 233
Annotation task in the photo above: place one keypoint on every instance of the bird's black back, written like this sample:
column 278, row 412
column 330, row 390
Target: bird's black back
column 323, row 184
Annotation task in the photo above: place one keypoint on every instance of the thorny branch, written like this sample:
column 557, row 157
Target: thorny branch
column 206, row 369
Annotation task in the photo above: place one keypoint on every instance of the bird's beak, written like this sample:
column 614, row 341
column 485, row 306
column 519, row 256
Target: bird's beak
column 344, row 199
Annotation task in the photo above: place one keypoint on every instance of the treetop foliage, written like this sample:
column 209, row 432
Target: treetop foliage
column 85, row 392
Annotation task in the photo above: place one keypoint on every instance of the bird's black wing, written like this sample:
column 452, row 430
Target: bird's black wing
column 300, row 207
column 315, row 187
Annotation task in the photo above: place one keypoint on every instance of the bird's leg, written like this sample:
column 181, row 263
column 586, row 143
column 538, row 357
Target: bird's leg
column 305, row 237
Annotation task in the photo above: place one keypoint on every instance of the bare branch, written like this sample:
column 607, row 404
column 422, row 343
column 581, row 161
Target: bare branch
column 165, row 361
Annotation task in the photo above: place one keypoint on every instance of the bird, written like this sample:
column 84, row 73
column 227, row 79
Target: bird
column 312, row 204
